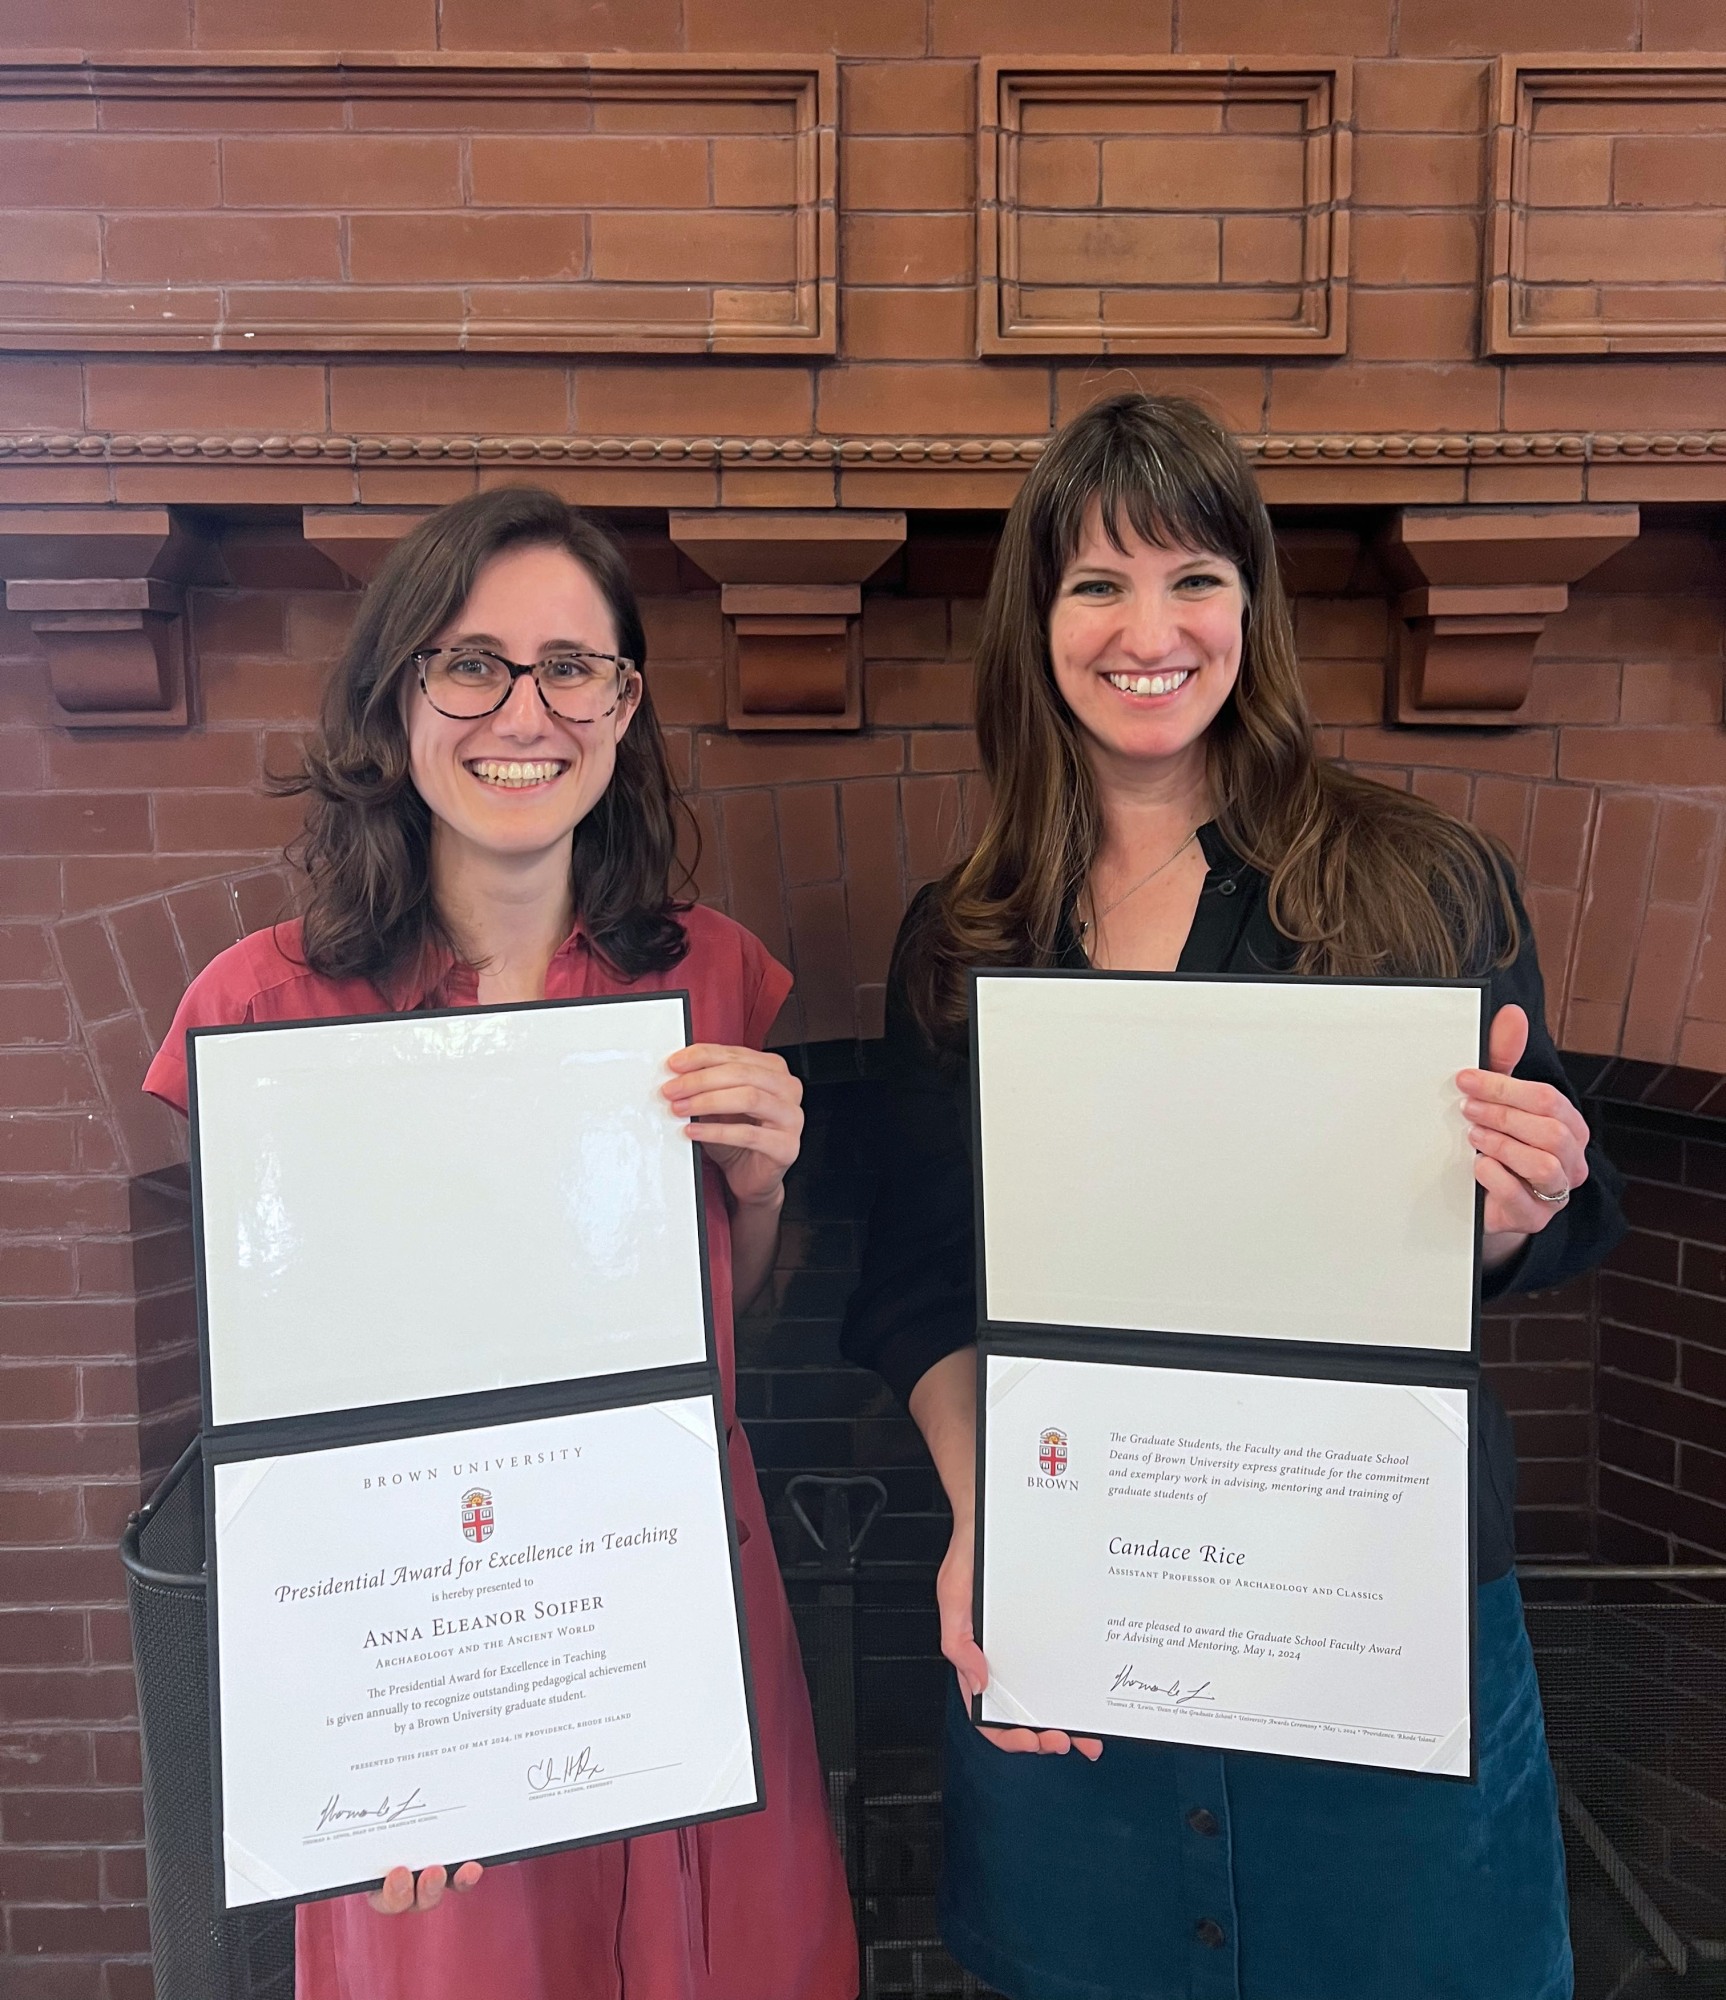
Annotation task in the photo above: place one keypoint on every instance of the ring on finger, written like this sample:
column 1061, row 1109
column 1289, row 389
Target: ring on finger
column 1551, row 1200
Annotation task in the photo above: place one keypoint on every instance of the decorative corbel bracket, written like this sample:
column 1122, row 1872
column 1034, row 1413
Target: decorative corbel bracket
column 791, row 591
column 1480, row 584
column 357, row 539
column 104, row 591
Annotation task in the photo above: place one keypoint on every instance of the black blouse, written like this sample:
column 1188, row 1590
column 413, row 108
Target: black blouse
column 917, row 1298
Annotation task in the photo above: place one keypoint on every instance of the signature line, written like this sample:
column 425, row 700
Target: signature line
column 596, row 1784
column 1271, row 1715
column 348, row 1832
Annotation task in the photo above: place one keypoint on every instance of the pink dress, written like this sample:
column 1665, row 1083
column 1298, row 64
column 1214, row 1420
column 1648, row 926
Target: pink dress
column 753, row 1908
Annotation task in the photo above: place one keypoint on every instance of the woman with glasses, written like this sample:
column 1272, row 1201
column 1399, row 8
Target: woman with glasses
column 492, row 819
column 1157, row 804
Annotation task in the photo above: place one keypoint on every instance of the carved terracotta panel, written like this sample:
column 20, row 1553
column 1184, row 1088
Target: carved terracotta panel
column 1609, row 206
column 482, row 204
column 1155, row 207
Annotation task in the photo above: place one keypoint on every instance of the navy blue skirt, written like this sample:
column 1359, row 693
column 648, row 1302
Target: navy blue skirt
column 1173, row 1874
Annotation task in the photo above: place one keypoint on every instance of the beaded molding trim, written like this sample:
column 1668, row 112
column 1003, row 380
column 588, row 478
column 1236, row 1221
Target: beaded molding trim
column 1464, row 445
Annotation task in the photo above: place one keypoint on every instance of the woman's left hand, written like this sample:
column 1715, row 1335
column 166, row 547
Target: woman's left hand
column 748, row 1113
column 1526, row 1137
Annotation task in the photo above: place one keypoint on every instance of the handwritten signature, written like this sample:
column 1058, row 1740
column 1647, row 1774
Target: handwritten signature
column 550, row 1773
column 1177, row 1695
column 385, row 1813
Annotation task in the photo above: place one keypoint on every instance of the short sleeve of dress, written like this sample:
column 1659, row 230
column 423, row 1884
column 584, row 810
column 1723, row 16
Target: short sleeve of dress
column 220, row 997
column 736, row 986
column 766, row 984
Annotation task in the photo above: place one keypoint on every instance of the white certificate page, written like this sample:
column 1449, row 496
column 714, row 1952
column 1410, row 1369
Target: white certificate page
column 474, row 1643
column 1208, row 1156
column 501, row 1192
column 1248, row 1562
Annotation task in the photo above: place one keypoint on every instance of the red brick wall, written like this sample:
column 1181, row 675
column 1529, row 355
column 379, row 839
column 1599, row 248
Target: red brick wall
column 1424, row 404
column 1609, row 800
column 1661, row 1391
column 1539, row 1352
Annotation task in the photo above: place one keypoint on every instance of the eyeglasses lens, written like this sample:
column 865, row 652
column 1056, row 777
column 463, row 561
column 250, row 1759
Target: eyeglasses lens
column 579, row 687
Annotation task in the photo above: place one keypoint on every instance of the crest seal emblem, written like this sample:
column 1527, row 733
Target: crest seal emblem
column 1052, row 1453
column 477, row 1518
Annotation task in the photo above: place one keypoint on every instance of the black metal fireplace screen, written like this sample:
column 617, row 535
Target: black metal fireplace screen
column 1632, row 1666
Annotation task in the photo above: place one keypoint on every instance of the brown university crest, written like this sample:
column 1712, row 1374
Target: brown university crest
column 476, row 1515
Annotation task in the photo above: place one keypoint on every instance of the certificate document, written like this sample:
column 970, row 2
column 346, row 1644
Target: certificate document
column 473, row 1644
column 1244, row 1561
column 1329, row 1108
column 348, row 1171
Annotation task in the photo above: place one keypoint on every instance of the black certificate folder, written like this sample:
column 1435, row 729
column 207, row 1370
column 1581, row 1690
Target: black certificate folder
column 472, row 1553
column 1228, row 1275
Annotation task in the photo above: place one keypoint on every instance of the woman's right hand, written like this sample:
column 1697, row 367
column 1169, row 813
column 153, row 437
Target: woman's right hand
column 402, row 1893
column 959, row 1644
column 944, row 1409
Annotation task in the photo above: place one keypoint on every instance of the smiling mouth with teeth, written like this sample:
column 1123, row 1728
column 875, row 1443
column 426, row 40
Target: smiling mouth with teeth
column 514, row 777
column 1149, row 683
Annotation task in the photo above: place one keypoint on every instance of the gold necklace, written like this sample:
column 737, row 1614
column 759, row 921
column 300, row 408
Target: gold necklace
column 1086, row 924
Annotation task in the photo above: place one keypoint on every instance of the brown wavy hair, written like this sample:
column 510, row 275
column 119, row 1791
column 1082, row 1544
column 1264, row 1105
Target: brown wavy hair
column 1362, row 879
column 368, row 908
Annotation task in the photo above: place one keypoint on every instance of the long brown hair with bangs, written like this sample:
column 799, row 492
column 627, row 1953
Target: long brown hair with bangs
column 1362, row 879
column 368, row 908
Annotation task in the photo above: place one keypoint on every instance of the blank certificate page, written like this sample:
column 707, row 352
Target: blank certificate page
column 1276, row 1159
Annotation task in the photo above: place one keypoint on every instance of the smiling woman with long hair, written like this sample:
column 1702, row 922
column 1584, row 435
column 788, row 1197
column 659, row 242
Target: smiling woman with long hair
column 1156, row 803
column 492, row 819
